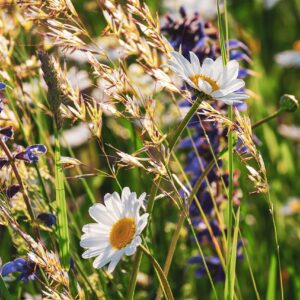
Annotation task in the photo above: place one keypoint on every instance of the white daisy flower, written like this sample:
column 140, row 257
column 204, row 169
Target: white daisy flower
column 117, row 231
column 215, row 80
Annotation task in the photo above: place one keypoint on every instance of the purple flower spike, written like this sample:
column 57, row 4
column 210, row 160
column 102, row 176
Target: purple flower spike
column 26, row 268
column 8, row 132
column 12, row 190
column 32, row 153
column 2, row 86
column 47, row 218
column 213, row 264
column 4, row 162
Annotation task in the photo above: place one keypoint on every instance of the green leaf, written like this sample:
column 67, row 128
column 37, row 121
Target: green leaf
column 271, row 291
column 4, row 291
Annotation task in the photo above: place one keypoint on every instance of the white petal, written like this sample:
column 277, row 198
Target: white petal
column 196, row 66
column 230, row 72
column 131, row 248
column 125, row 193
column 95, row 228
column 204, row 86
column 232, row 98
column 207, row 66
column 184, row 63
column 104, row 258
column 234, row 86
column 92, row 252
column 142, row 200
column 142, row 223
column 129, row 206
column 100, row 214
column 191, row 83
column 113, row 205
column 217, row 68
column 93, row 242
column 114, row 261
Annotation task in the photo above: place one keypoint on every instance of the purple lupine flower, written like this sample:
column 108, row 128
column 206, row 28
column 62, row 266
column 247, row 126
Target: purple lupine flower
column 2, row 88
column 8, row 132
column 32, row 153
column 47, row 218
column 4, row 162
column 12, row 190
column 201, row 37
column 202, row 230
column 213, row 264
column 26, row 268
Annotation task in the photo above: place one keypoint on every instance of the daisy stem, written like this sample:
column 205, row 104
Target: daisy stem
column 229, row 278
column 139, row 253
column 161, row 275
column 185, row 121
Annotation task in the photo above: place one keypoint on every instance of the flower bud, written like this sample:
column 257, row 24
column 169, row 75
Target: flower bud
column 289, row 103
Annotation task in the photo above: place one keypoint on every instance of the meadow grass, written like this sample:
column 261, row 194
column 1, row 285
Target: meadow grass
column 127, row 119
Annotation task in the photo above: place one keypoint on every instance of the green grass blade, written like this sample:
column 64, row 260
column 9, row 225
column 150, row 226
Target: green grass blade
column 4, row 291
column 63, row 231
column 271, row 291
column 229, row 284
column 160, row 273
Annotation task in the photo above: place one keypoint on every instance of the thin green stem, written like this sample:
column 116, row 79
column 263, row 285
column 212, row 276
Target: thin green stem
column 271, row 205
column 268, row 118
column 228, row 284
column 185, row 121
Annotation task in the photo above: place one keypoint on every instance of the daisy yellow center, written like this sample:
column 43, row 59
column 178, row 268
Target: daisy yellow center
column 122, row 233
column 212, row 82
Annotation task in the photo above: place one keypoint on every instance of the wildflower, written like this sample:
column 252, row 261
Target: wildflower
column 7, row 132
column 26, row 268
column 47, row 218
column 192, row 33
column 203, row 232
column 12, row 190
column 32, row 153
column 288, row 58
column 206, row 8
column 292, row 207
column 215, row 80
column 291, row 132
column 117, row 231
column 269, row 4
column 213, row 264
column 2, row 88
column 3, row 162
